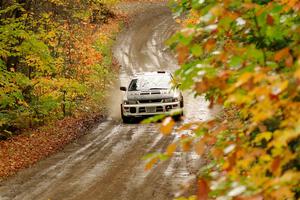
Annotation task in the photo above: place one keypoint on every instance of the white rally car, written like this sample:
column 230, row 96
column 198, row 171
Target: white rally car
column 150, row 93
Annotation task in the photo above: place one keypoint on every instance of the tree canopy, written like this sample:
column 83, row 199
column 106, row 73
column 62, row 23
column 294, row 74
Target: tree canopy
column 52, row 60
column 245, row 56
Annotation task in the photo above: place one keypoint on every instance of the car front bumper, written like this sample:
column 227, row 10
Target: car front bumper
column 139, row 110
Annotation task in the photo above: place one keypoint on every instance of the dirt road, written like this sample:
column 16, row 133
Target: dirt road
column 106, row 163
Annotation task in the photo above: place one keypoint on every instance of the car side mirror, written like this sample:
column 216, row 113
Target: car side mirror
column 123, row 88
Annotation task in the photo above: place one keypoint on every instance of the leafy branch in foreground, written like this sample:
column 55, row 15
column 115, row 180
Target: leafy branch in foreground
column 244, row 55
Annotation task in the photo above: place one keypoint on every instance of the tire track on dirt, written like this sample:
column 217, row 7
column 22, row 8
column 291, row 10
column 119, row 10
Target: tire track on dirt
column 121, row 169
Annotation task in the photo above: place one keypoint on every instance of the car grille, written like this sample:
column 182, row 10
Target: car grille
column 151, row 109
column 150, row 93
column 145, row 93
column 150, row 101
column 155, row 92
column 132, row 110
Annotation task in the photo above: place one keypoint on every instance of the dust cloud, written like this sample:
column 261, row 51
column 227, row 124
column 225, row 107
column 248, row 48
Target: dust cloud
column 113, row 102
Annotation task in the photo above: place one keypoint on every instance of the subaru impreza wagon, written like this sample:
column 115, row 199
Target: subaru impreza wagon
column 151, row 93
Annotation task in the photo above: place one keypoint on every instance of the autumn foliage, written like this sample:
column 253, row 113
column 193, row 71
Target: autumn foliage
column 244, row 55
column 55, row 59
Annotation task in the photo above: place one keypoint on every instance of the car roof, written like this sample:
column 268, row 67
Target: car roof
column 157, row 73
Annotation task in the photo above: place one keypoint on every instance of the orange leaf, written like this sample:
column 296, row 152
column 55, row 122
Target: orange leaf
column 289, row 61
column 270, row 20
column 256, row 197
column 211, row 123
column 167, row 126
column 203, row 189
column 249, row 6
column 220, row 100
column 261, row 10
column 281, row 54
column 183, row 54
column 233, row 15
column 186, row 146
column 171, row 149
column 210, row 45
column 210, row 140
column 231, row 160
column 200, row 147
column 275, row 164
column 217, row 153
column 223, row 56
column 151, row 163
column 201, row 87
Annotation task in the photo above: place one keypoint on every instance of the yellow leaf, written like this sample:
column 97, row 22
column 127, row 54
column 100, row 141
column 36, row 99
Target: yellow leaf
column 178, row 21
column 256, row 197
column 282, row 193
column 167, row 126
column 265, row 158
column 243, row 79
column 217, row 11
column 171, row 149
column 279, row 87
column 281, row 138
column 265, row 135
column 192, row 198
column 263, row 110
column 289, row 176
column 277, row 150
column 259, row 77
column 297, row 74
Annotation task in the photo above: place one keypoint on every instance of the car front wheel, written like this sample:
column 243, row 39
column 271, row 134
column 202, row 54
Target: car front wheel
column 125, row 119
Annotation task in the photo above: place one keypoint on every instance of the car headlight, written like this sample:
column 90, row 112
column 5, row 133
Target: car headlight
column 168, row 100
column 171, row 100
column 175, row 99
column 130, row 102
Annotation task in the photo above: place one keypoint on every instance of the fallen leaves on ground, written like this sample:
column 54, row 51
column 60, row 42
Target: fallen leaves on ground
column 24, row 150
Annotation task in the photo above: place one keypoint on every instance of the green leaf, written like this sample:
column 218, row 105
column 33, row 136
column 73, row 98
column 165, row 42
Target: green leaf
column 197, row 50
column 236, row 62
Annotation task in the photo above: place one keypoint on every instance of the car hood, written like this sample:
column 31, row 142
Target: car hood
column 151, row 94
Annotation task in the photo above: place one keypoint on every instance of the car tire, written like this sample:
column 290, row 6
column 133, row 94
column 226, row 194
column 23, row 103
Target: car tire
column 125, row 119
column 178, row 117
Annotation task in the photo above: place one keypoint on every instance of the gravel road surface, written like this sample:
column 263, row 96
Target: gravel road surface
column 106, row 163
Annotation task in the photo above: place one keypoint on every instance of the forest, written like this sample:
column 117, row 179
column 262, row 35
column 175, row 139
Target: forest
column 54, row 61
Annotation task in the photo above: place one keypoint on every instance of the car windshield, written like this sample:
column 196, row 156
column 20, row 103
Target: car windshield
column 157, row 82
